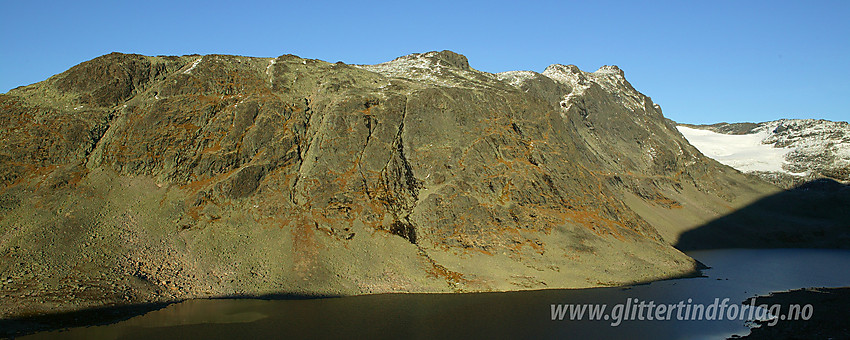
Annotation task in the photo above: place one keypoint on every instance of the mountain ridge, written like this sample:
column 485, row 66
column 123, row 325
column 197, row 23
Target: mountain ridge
column 149, row 179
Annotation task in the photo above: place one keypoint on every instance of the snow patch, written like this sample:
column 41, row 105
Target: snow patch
column 516, row 78
column 422, row 67
column 743, row 152
column 194, row 64
column 569, row 75
column 269, row 69
column 609, row 78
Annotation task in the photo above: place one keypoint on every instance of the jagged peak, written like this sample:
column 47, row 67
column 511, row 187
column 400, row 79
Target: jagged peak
column 566, row 74
column 560, row 68
column 573, row 72
column 610, row 69
column 444, row 58
column 453, row 59
column 608, row 77
column 515, row 78
column 563, row 68
column 443, row 68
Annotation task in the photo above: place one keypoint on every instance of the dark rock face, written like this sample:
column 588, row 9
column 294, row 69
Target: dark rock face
column 157, row 178
column 114, row 78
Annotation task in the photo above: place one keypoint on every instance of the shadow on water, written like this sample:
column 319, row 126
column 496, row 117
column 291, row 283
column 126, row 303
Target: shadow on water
column 112, row 314
column 815, row 214
column 91, row 316
column 738, row 274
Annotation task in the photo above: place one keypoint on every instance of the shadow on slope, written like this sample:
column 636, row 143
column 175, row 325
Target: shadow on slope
column 815, row 214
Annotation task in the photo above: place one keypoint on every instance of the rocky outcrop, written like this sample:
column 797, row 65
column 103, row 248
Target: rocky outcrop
column 135, row 179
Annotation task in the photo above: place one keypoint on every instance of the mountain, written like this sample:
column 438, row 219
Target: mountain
column 786, row 152
column 132, row 179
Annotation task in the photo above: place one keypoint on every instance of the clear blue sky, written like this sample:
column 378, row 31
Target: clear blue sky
column 702, row 61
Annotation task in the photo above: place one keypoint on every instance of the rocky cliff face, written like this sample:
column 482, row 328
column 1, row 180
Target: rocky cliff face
column 811, row 148
column 133, row 179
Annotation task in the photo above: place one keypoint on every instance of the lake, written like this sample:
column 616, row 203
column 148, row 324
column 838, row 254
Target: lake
column 736, row 274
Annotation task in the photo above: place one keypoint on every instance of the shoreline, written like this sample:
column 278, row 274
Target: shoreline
column 108, row 315
column 828, row 321
column 32, row 323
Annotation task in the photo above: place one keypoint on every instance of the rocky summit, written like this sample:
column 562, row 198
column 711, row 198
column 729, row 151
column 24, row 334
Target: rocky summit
column 133, row 179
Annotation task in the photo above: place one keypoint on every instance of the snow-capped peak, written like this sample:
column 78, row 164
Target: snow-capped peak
column 610, row 77
column 516, row 78
column 434, row 67
column 567, row 74
column 610, row 69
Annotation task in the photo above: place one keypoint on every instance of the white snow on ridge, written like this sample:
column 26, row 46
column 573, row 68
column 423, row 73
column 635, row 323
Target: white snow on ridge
column 269, row 69
column 743, row 152
column 570, row 75
column 610, row 78
column 194, row 64
column 420, row 67
column 516, row 78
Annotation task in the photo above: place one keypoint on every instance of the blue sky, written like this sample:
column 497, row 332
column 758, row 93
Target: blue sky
column 703, row 62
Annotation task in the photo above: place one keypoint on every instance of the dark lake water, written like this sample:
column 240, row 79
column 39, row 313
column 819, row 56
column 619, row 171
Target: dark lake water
column 736, row 274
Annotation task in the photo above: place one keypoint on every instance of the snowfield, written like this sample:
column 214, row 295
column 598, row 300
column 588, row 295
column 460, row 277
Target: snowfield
column 743, row 152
